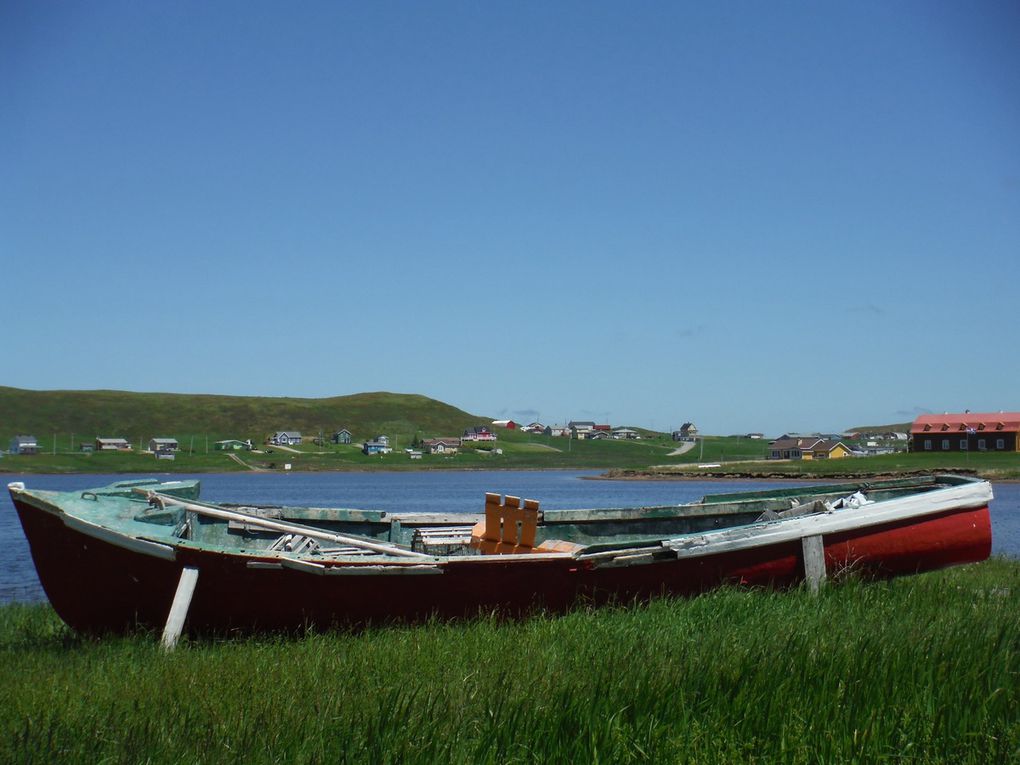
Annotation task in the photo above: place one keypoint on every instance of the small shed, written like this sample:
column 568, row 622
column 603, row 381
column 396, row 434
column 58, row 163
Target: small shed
column 24, row 445
column 113, row 445
column 342, row 436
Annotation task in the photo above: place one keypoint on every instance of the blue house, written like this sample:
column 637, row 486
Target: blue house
column 375, row 447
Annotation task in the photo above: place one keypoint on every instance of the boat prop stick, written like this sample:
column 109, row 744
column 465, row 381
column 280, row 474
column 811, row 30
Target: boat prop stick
column 179, row 608
column 281, row 526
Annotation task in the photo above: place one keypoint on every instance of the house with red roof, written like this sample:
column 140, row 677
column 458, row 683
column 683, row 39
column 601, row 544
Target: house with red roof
column 970, row 431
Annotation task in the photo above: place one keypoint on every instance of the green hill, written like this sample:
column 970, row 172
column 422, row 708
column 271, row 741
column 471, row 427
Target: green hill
column 896, row 427
column 132, row 415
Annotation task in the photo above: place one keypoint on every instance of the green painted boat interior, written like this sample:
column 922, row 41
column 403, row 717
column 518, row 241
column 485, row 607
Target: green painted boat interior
column 123, row 508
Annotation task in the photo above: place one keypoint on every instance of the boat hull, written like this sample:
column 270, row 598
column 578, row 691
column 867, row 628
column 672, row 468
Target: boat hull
column 99, row 586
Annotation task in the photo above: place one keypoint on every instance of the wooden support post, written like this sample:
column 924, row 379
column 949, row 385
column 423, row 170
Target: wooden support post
column 179, row 609
column 814, row 562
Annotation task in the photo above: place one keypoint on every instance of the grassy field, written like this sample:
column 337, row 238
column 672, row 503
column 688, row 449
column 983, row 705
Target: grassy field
column 649, row 457
column 83, row 415
column 922, row 669
column 518, row 451
column 991, row 465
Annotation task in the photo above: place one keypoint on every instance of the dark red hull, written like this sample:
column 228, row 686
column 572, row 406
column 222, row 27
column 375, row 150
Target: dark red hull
column 96, row 586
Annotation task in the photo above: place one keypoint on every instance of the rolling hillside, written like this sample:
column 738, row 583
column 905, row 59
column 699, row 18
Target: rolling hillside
column 121, row 413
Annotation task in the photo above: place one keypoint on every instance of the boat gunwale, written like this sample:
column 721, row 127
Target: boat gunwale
column 957, row 493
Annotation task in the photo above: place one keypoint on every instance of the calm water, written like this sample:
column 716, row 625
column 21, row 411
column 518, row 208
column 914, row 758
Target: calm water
column 451, row 492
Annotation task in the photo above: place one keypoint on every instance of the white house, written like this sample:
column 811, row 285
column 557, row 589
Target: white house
column 442, row 445
column 24, row 445
column 112, row 445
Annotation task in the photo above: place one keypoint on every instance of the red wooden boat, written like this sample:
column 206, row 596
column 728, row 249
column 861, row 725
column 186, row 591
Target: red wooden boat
column 151, row 554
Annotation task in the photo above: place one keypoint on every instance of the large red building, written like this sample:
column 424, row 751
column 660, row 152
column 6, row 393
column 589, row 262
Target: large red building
column 970, row 431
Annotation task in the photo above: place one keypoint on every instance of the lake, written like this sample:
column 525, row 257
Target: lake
column 439, row 491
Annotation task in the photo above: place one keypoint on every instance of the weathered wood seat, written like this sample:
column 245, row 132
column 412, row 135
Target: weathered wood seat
column 440, row 540
column 509, row 526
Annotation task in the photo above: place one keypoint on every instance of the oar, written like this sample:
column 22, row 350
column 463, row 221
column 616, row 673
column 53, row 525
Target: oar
column 282, row 526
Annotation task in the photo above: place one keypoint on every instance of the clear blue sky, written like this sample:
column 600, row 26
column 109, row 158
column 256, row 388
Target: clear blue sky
column 756, row 216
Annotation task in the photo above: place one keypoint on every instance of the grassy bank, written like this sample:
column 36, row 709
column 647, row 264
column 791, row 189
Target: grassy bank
column 990, row 465
column 921, row 669
column 513, row 450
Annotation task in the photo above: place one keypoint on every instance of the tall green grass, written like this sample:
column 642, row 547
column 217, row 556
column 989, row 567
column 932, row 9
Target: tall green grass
column 922, row 669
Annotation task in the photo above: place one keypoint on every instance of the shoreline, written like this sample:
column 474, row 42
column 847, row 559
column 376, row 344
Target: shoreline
column 690, row 475
column 613, row 474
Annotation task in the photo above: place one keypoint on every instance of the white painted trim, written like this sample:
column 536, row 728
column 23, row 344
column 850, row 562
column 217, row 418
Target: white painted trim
column 179, row 608
column 154, row 549
column 962, row 497
column 401, row 569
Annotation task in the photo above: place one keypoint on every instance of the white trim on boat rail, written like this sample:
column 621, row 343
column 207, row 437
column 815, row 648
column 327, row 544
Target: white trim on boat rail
column 312, row 567
column 411, row 570
column 134, row 544
column 967, row 496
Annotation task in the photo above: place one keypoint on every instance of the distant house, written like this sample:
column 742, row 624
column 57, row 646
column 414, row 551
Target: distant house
column 163, row 445
column 478, row 433
column 688, row 432
column 596, row 435
column 580, row 428
column 231, row 444
column 534, row 427
column 810, row 448
column 993, row 431
column 827, row 449
column 24, row 445
column 342, row 436
column 112, row 445
column 789, row 448
column 508, row 424
column 376, row 446
column 602, row 428
column 624, row 433
column 285, row 438
column 442, row 445
column 559, row 431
